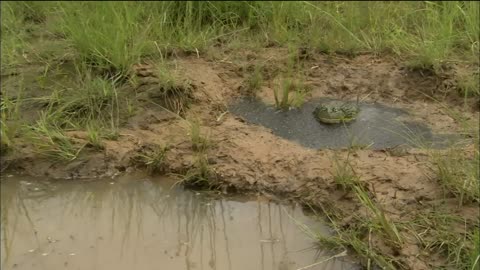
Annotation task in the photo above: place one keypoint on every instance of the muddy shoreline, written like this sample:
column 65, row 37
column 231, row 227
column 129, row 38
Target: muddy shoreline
column 246, row 157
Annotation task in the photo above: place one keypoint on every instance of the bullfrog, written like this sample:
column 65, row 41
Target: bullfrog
column 334, row 112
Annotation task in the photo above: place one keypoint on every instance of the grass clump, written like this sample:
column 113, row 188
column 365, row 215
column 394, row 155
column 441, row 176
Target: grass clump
column 291, row 91
column 169, row 79
column 94, row 136
column 291, row 94
column 5, row 132
column 200, row 142
column 163, row 85
column 92, row 99
column 345, row 176
column 174, row 92
column 457, row 167
column 469, row 85
column 5, row 141
column 200, row 175
column 458, row 174
column 254, row 81
column 355, row 237
column 153, row 159
column 51, row 141
column 380, row 220
column 10, row 118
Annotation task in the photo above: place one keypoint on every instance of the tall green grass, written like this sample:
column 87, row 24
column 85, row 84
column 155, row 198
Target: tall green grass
column 13, row 35
column 345, row 176
column 438, row 232
column 458, row 174
column 108, row 35
column 354, row 237
column 112, row 36
column 10, row 116
column 115, row 35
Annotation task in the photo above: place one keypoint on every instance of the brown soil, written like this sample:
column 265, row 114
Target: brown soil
column 249, row 157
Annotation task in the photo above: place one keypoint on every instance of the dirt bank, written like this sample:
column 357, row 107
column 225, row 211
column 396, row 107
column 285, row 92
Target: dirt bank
column 247, row 157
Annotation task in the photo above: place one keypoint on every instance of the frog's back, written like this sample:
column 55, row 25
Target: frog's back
column 333, row 112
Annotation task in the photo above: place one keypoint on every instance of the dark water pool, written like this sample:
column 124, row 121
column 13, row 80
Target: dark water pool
column 377, row 126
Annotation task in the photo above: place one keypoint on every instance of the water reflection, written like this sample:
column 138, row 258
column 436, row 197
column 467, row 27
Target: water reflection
column 146, row 224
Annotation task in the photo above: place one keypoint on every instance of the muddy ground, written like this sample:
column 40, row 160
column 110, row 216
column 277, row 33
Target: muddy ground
column 251, row 158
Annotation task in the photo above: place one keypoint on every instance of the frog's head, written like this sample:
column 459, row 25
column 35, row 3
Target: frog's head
column 336, row 112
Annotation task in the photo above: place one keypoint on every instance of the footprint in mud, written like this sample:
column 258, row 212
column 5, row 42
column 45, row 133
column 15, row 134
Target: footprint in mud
column 377, row 126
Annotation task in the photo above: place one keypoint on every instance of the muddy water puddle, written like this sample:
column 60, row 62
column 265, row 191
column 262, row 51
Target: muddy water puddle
column 141, row 223
column 376, row 126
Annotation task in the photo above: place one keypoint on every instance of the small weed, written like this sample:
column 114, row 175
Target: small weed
column 201, row 174
column 131, row 109
column 292, row 94
column 200, row 143
column 254, row 81
column 94, row 136
column 153, row 159
column 168, row 78
column 5, row 141
column 175, row 93
column 343, row 174
column 283, row 101
column 292, row 89
column 111, row 134
column 422, row 63
column 468, row 85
